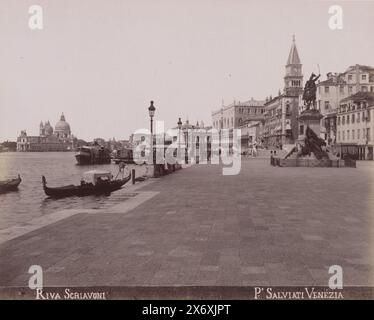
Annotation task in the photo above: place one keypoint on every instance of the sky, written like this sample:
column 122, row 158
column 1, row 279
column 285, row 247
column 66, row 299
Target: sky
column 100, row 62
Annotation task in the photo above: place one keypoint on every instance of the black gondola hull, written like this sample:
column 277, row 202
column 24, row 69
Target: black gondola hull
column 86, row 190
column 10, row 185
column 84, row 159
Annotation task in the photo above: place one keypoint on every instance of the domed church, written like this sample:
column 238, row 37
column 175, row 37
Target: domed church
column 59, row 139
column 62, row 128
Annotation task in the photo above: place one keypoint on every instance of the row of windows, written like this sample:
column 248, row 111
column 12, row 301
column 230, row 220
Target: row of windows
column 354, row 134
column 355, row 117
column 350, row 89
column 296, row 83
column 251, row 110
column 226, row 123
column 363, row 77
column 352, row 107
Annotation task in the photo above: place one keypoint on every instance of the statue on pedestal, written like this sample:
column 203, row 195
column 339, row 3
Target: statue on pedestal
column 310, row 90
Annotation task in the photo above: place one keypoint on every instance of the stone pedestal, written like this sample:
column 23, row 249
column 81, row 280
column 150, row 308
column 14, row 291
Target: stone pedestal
column 311, row 119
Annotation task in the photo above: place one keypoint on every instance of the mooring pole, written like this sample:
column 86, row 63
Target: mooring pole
column 133, row 176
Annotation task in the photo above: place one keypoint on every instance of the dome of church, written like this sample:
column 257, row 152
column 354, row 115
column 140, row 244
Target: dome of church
column 62, row 127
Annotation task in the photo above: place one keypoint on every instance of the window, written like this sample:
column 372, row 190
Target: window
column 347, row 118
column 350, row 77
column 358, row 117
column 338, row 121
column 327, row 89
column 371, row 78
column 364, row 88
column 343, row 120
column 368, row 117
column 350, row 88
column 363, row 116
column 368, row 134
column 338, row 135
column 363, row 77
column 341, row 89
column 347, row 135
column 353, row 118
column 353, row 134
column 343, row 135
column 358, row 134
column 371, row 89
column 326, row 105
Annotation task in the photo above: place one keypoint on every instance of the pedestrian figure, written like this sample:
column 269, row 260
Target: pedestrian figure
column 254, row 151
column 271, row 158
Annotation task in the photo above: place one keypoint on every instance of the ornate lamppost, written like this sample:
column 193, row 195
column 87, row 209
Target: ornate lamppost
column 179, row 123
column 151, row 111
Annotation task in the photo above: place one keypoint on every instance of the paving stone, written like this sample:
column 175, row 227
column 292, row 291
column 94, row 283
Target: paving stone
column 265, row 226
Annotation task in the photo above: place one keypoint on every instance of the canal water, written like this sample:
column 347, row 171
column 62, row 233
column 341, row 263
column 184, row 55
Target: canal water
column 59, row 168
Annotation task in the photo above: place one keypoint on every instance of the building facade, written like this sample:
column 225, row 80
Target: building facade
column 281, row 112
column 250, row 133
column 49, row 139
column 334, row 89
column 236, row 114
column 355, row 125
column 240, row 115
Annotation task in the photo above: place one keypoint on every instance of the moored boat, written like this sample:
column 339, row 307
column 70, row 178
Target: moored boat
column 93, row 155
column 10, row 184
column 95, row 182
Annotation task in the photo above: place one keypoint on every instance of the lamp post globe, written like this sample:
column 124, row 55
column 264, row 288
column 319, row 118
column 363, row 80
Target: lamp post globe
column 151, row 110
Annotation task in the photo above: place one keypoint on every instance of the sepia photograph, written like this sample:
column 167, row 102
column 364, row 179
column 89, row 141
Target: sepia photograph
column 207, row 151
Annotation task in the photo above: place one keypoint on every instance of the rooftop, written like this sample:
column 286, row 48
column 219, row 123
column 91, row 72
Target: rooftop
column 333, row 81
column 360, row 67
column 360, row 96
column 249, row 103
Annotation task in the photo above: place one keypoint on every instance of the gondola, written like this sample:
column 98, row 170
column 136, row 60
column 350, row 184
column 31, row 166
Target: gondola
column 101, row 183
column 10, row 184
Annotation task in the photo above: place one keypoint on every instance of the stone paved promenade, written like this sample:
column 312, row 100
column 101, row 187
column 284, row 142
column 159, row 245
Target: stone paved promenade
column 266, row 226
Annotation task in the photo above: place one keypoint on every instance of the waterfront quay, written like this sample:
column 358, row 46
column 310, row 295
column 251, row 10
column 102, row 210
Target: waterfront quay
column 267, row 226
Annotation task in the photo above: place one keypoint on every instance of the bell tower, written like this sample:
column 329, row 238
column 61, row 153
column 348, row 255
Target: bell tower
column 293, row 80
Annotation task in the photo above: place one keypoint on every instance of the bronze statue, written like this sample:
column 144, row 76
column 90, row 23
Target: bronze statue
column 310, row 90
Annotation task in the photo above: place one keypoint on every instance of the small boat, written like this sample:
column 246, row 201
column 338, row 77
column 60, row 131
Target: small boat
column 10, row 184
column 95, row 182
column 93, row 155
